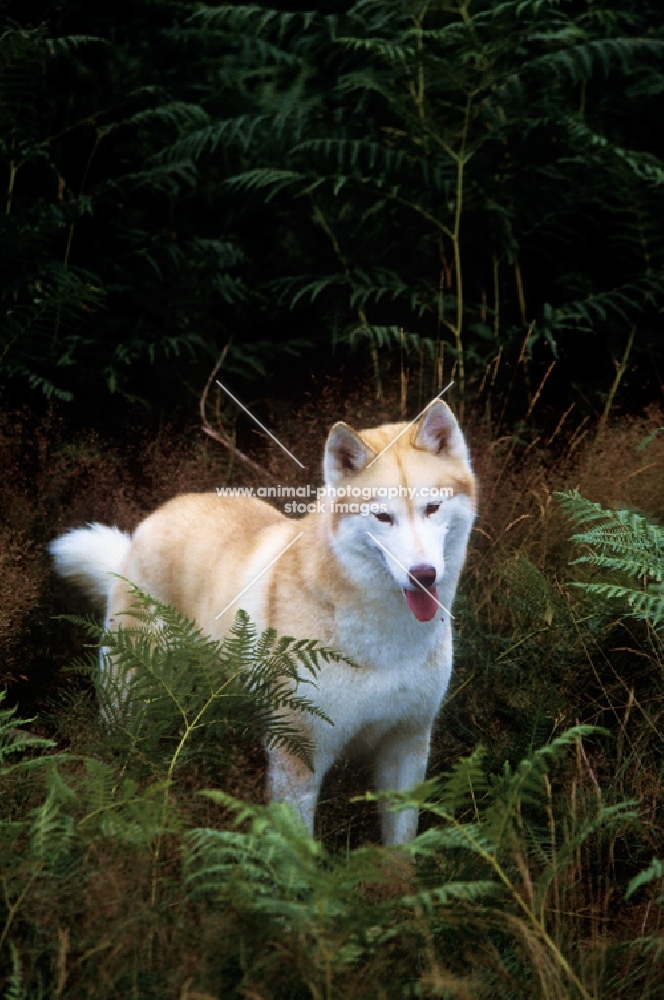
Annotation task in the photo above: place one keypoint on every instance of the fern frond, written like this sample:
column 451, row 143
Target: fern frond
column 120, row 810
column 253, row 17
column 645, row 166
column 587, row 313
column 623, row 542
column 427, row 901
column 164, row 684
column 389, row 52
column 275, row 873
column 166, row 177
column 643, row 605
column 465, row 785
column 530, row 591
column 178, row 114
column 52, row 828
column 579, row 62
column 208, row 139
column 15, row 989
column 389, row 337
column 13, row 741
column 359, row 154
column 265, row 177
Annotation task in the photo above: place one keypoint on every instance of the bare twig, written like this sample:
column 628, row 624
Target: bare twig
column 218, row 435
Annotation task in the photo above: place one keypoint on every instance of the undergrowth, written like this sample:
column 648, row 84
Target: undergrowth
column 127, row 871
column 137, row 856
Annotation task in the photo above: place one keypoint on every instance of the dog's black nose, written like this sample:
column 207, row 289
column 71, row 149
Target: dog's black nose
column 424, row 574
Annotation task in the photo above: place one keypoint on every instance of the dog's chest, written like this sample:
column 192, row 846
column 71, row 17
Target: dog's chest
column 402, row 672
column 395, row 685
column 384, row 635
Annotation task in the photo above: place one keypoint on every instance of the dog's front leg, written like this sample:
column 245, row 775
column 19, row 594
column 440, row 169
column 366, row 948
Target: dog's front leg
column 289, row 779
column 400, row 763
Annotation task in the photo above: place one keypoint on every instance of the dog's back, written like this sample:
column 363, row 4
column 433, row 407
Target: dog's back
column 375, row 581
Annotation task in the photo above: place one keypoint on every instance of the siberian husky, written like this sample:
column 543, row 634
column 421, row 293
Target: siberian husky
column 373, row 575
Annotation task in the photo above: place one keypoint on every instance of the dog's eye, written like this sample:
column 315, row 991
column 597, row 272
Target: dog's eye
column 431, row 508
column 385, row 518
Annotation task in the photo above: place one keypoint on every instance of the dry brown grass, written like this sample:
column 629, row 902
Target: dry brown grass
column 52, row 483
column 513, row 661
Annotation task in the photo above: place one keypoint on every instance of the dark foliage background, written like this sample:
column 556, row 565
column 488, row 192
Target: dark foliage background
column 455, row 182
column 340, row 210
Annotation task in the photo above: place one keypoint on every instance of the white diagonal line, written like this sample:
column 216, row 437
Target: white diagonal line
column 257, row 421
column 406, row 428
column 259, row 575
column 420, row 585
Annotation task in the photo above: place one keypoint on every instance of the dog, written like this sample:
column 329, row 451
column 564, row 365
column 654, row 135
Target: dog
column 375, row 580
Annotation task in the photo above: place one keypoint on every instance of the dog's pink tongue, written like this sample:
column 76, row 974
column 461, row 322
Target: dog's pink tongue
column 423, row 603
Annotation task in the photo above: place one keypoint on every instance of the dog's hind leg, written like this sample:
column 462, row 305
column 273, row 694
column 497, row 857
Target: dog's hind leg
column 91, row 557
column 289, row 779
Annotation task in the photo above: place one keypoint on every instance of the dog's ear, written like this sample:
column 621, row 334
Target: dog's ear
column 438, row 432
column 345, row 453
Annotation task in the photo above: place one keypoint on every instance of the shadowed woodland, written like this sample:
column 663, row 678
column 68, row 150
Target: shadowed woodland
column 336, row 212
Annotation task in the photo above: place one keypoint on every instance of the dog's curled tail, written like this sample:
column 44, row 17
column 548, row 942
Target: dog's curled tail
column 87, row 556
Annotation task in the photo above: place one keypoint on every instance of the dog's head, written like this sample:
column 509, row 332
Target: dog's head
column 401, row 499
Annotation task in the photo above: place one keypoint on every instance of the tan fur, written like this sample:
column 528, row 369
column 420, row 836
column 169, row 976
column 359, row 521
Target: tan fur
column 335, row 584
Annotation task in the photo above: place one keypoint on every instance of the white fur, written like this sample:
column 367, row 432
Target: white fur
column 87, row 557
column 336, row 584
